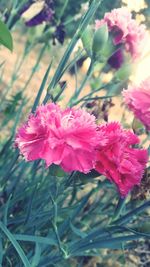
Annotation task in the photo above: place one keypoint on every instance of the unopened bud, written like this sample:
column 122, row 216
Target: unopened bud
column 87, row 39
column 99, row 41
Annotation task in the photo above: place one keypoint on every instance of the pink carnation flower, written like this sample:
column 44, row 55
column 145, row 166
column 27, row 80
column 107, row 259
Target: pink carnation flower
column 125, row 30
column 138, row 100
column 118, row 160
column 67, row 138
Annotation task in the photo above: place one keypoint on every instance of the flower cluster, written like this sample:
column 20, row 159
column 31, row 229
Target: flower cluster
column 137, row 99
column 70, row 138
column 125, row 30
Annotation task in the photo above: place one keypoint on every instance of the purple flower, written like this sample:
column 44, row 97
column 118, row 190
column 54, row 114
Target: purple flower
column 44, row 15
column 60, row 33
column 117, row 59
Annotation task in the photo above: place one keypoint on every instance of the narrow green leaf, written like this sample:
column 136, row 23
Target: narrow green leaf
column 5, row 36
column 99, row 97
column 77, row 232
column 126, row 218
column 37, row 255
column 141, row 234
column 112, row 243
column 89, row 253
column 36, row 102
column 64, row 227
column 60, row 91
column 119, row 207
column 7, row 169
column 15, row 244
column 36, row 239
column 6, row 210
column 1, row 251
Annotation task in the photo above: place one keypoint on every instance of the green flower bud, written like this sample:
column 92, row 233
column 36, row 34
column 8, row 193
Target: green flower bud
column 87, row 39
column 99, row 41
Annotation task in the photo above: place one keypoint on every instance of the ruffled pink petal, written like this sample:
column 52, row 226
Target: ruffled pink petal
column 137, row 98
column 63, row 137
column 125, row 30
column 118, row 160
column 78, row 161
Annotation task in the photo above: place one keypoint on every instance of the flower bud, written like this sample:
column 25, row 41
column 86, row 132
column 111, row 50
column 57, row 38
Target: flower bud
column 99, row 41
column 87, row 38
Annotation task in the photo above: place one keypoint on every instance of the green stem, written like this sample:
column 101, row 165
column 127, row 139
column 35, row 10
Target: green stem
column 30, row 202
column 86, row 78
column 35, row 66
column 37, row 99
column 13, row 16
column 60, row 92
column 54, row 224
column 88, row 95
column 7, row 169
column 62, row 250
column 13, row 12
column 62, row 11
column 18, row 115
column 83, row 24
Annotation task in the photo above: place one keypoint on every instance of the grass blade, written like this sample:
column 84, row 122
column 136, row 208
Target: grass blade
column 36, row 102
column 126, row 218
column 15, row 244
column 37, row 255
column 111, row 243
column 36, row 239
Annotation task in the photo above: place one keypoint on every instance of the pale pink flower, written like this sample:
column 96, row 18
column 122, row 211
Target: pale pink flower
column 138, row 100
column 125, row 30
column 118, row 160
column 67, row 138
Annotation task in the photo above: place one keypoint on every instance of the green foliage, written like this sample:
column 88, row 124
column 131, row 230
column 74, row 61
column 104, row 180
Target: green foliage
column 5, row 36
column 12, row 104
column 68, row 14
column 15, row 244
